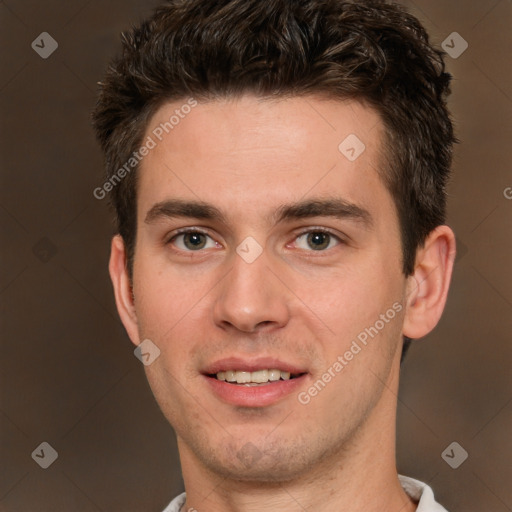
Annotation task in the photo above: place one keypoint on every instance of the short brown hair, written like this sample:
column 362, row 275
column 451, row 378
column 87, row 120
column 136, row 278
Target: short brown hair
column 371, row 51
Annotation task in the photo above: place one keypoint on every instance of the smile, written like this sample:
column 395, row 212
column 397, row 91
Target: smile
column 256, row 378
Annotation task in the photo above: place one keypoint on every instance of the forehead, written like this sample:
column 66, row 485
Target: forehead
column 249, row 152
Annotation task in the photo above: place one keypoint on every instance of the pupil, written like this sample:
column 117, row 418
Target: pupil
column 321, row 238
column 193, row 240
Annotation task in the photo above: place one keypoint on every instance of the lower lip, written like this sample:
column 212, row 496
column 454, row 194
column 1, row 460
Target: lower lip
column 254, row 396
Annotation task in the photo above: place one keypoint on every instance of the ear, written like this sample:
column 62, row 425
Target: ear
column 427, row 288
column 123, row 288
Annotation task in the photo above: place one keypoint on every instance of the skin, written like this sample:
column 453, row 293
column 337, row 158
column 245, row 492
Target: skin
column 248, row 156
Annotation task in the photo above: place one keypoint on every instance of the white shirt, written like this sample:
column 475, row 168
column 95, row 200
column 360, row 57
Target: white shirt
column 417, row 490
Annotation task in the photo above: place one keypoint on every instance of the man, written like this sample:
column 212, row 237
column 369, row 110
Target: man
column 278, row 171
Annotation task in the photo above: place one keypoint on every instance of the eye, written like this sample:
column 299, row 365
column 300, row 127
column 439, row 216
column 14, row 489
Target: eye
column 192, row 240
column 317, row 240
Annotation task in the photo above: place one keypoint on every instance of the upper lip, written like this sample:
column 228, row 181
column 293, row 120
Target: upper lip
column 251, row 365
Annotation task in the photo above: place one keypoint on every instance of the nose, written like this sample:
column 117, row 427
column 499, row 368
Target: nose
column 251, row 298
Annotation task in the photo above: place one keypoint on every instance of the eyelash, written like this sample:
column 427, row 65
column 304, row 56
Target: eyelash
column 298, row 235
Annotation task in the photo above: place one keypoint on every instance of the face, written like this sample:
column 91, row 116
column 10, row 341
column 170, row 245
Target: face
column 261, row 245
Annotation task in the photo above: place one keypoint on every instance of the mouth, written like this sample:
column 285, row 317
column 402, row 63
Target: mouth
column 253, row 383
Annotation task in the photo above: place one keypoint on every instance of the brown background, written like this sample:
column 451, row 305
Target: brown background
column 68, row 373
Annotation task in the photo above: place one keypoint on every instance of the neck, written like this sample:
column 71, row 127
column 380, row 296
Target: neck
column 359, row 477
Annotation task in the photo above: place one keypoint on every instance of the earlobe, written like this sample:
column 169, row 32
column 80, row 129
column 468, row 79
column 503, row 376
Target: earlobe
column 427, row 288
column 122, row 288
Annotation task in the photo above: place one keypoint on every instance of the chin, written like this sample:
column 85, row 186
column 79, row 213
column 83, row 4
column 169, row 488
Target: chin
column 266, row 471
column 261, row 461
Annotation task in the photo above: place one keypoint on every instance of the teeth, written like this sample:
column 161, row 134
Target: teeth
column 258, row 377
column 274, row 375
column 230, row 376
column 243, row 377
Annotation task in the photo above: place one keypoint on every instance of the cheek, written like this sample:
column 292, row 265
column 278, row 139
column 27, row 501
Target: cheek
column 164, row 297
column 350, row 300
column 173, row 311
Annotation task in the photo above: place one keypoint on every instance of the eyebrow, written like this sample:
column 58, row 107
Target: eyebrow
column 181, row 208
column 336, row 208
